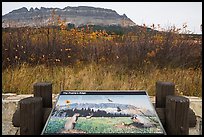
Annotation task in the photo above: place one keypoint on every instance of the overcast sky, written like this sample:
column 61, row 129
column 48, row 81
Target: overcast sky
column 164, row 13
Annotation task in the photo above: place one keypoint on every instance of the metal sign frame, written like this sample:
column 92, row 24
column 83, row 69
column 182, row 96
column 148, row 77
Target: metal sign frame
column 129, row 110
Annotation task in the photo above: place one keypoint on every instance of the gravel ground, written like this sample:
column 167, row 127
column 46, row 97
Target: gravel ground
column 8, row 108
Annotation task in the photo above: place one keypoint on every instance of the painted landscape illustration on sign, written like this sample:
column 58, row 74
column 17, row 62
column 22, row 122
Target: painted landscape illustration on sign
column 99, row 114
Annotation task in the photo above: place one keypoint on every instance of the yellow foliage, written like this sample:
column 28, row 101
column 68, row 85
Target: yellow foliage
column 151, row 54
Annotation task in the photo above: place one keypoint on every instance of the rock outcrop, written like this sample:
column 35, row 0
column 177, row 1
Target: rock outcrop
column 81, row 15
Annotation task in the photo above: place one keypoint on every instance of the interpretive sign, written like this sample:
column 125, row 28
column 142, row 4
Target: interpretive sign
column 103, row 112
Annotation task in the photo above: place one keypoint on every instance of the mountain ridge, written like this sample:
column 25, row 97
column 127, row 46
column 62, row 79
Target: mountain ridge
column 110, row 108
column 81, row 15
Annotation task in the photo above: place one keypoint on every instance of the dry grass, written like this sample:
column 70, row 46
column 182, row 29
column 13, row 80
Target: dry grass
column 100, row 77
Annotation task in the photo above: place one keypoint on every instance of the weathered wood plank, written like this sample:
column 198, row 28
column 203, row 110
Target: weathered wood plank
column 177, row 109
column 31, row 116
column 191, row 116
column 161, row 115
column 44, row 90
column 16, row 117
column 163, row 89
column 46, row 113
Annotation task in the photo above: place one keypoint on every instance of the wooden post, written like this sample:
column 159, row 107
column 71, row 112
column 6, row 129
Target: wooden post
column 16, row 117
column 191, row 116
column 31, row 116
column 46, row 113
column 163, row 89
column 161, row 115
column 177, row 109
column 44, row 90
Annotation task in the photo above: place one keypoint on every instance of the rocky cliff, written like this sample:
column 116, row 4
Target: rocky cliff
column 81, row 15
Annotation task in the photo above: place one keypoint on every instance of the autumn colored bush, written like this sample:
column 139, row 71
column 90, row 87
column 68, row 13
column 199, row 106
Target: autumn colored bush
column 59, row 46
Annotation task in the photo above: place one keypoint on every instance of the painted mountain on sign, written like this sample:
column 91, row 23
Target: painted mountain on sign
column 109, row 108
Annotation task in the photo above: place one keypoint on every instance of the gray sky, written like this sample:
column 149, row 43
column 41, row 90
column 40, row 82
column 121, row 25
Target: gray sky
column 164, row 13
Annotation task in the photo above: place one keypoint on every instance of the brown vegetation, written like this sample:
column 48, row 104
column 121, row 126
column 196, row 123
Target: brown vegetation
column 86, row 59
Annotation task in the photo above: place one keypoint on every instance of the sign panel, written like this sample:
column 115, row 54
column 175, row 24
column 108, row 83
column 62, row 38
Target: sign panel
column 83, row 112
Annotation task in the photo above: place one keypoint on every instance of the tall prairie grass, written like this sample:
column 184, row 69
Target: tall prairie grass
column 83, row 59
column 100, row 77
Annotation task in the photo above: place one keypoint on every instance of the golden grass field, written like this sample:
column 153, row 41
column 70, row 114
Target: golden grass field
column 100, row 77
